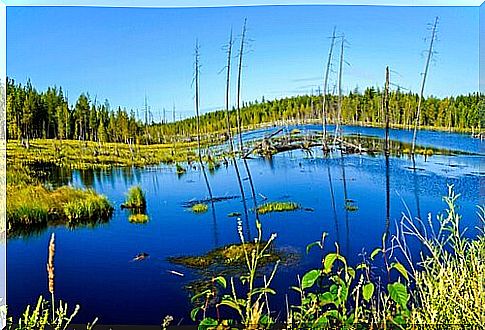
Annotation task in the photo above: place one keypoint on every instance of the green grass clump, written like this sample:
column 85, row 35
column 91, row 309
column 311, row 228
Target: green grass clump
column 30, row 206
column 199, row 208
column 138, row 218
column 89, row 206
column 180, row 169
column 135, row 198
column 277, row 207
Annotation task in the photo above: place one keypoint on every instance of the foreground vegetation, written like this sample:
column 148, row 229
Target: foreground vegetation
column 445, row 287
column 33, row 206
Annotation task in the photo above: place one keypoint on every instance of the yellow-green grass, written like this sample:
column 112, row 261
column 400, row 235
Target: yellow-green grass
column 36, row 206
column 135, row 198
column 277, row 207
column 199, row 208
column 138, row 218
column 84, row 155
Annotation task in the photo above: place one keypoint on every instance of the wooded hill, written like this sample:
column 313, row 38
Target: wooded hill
column 48, row 114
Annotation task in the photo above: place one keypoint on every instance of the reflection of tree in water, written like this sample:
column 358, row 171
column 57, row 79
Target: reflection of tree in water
column 334, row 207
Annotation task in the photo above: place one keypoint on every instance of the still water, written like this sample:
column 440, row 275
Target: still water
column 93, row 265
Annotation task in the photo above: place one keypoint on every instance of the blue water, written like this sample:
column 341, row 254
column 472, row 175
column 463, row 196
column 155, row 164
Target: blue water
column 93, row 265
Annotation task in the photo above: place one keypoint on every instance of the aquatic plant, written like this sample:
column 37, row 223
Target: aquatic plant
column 135, row 198
column 277, row 207
column 37, row 206
column 446, row 289
column 199, row 208
column 138, row 218
column 350, row 206
column 233, row 214
column 180, row 169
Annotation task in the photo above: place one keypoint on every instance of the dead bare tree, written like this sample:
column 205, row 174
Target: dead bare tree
column 197, row 102
column 339, row 107
column 423, row 82
column 386, row 112
column 239, row 77
column 228, row 123
column 324, row 98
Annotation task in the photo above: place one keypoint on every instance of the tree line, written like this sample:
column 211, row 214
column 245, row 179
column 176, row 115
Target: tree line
column 48, row 114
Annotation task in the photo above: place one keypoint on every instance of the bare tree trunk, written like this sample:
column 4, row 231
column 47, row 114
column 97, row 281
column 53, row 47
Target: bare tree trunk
column 339, row 107
column 239, row 76
column 386, row 111
column 198, row 120
column 228, row 123
column 324, row 98
column 428, row 59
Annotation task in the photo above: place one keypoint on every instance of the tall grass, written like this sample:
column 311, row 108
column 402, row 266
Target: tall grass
column 36, row 206
column 135, row 198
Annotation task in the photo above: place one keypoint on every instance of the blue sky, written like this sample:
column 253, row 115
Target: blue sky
column 122, row 53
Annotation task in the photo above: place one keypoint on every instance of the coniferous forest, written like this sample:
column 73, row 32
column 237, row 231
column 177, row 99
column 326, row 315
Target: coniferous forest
column 50, row 114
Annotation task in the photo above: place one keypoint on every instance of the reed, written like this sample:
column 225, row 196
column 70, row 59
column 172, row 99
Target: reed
column 50, row 271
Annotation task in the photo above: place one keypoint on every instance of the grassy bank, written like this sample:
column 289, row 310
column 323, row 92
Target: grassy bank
column 85, row 155
column 33, row 206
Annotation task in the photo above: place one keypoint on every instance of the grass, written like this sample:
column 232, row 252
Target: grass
column 32, row 206
column 135, row 198
column 37, row 206
column 229, row 255
column 199, row 208
column 88, row 155
column 138, row 218
column 277, row 207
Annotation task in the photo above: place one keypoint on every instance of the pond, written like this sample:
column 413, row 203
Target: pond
column 94, row 267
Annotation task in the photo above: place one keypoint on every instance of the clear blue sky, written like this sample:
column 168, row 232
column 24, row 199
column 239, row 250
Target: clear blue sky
column 122, row 53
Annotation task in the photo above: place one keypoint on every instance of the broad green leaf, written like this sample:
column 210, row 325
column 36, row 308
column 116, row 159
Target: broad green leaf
column 309, row 246
column 221, row 281
column 367, row 291
column 320, row 322
column 208, row 323
column 230, row 303
column 399, row 293
column 200, row 294
column 361, row 266
column 309, row 278
column 330, row 260
column 351, row 272
column 263, row 290
column 401, row 269
column 193, row 313
column 375, row 252
column 326, row 298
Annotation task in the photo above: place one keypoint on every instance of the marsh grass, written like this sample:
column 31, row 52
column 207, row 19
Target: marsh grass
column 135, row 198
column 138, row 218
column 199, row 208
column 277, row 207
column 37, row 206
column 89, row 155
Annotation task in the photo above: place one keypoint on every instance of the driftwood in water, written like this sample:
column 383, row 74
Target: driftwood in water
column 208, row 200
column 265, row 144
